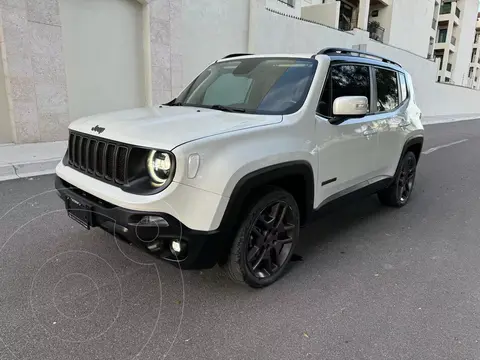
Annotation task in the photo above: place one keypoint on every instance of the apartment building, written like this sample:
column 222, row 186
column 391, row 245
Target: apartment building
column 474, row 71
column 455, row 34
column 65, row 59
column 435, row 29
column 404, row 24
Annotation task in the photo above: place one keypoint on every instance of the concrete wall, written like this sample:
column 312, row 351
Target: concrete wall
column 211, row 32
column 411, row 24
column 328, row 13
column 6, row 134
column 465, row 37
column 103, row 55
column 282, row 7
column 274, row 33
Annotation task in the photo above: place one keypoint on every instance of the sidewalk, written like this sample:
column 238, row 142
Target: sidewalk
column 429, row 120
column 20, row 161
column 26, row 160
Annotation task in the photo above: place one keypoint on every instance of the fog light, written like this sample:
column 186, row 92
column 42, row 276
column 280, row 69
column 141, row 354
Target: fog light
column 177, row 247
column 153, row 220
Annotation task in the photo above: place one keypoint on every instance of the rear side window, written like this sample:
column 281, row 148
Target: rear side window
column 344, row 80
column 387, row 90
column 403, row 87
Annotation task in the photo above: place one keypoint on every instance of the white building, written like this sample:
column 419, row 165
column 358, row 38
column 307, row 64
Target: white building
column 409, row 25
column 63, row 59
column 474, row 71
column 455, row 33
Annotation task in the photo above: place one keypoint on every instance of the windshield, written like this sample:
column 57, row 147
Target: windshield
column 255, row 85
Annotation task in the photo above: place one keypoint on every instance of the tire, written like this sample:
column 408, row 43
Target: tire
column 264, row 230
column 399, row 192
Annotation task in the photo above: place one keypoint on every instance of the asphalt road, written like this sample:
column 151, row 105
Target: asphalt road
column 374, row 283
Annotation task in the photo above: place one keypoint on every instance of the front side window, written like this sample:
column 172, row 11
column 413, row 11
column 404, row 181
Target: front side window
column 344, row 80
column 387, row 90
column 254, row 85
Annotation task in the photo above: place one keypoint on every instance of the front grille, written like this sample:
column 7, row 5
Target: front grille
column 99, row 158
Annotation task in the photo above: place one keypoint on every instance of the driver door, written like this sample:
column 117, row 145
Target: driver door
column 347, row 152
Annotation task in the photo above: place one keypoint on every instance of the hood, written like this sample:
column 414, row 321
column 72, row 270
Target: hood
column 167, row 127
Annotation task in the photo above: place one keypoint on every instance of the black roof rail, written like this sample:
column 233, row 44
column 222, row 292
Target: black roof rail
column 235, row 55
column 344, row 51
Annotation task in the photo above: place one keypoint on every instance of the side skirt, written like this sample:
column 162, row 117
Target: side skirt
column 349, row 195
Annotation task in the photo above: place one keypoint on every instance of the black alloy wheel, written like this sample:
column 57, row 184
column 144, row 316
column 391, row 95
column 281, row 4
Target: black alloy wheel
column 406, row 179
column 271, row 239
column 265, row 240
column 400, row 191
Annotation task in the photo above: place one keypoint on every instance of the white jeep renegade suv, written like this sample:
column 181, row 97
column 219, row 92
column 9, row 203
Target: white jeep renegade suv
column 229, row 170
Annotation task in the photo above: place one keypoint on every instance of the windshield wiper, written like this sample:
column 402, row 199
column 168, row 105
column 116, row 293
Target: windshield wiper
column 226, row 108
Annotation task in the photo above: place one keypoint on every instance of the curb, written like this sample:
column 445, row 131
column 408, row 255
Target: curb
column 28, row 169
column 435, row 120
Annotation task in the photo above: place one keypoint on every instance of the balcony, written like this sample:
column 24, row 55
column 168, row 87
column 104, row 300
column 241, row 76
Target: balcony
column 445, row 8
column 447, row 13
column 376, row 31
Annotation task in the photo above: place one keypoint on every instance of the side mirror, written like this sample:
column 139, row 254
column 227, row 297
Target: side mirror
column 349, row 107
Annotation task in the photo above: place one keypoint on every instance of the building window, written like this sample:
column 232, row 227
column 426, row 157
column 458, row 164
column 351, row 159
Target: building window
column 346, row 17
column 290, row 3
column 447, row 79
column 438, row 79
column 375, row 13
column 442, row 35
column 477, row 37
column 470, row 72
column 446, row 8
column 449, row 67
column 474, row 53
column 387, row 90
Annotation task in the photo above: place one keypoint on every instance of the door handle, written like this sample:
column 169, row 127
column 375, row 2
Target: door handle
column 369, row 132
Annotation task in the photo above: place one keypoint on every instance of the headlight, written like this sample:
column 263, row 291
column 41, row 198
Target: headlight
column 159, row 165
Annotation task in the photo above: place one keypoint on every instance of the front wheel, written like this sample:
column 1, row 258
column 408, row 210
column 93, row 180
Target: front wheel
column 265, row 240
column 399, row 192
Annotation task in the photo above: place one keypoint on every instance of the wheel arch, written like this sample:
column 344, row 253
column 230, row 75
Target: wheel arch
column 414, row 145
column 296, row 177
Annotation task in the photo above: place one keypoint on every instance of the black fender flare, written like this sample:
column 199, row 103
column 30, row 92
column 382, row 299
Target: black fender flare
column 269, row 175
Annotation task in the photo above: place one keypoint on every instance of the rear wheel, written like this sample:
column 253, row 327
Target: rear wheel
column 265, row 240
column 399, row 192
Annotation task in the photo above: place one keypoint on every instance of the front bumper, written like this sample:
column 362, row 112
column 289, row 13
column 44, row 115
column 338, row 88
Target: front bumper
column 202, row 247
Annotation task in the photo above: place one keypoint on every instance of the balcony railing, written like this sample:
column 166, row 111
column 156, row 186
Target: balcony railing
column 449, row 67
column 454, row 40
column 446, row 8
column 376, row 31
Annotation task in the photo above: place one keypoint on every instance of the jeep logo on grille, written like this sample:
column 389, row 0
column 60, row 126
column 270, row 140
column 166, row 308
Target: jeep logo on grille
column 98, row 129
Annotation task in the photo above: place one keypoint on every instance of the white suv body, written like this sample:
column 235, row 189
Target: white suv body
column 345, row 122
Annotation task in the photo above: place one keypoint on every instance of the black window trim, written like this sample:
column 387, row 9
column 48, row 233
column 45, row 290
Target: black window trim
column 329, row 82
column 373, row 87
column 400, row 103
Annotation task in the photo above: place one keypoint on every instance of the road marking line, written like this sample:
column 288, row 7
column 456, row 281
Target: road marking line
column 429, row 151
